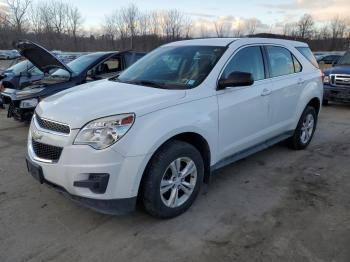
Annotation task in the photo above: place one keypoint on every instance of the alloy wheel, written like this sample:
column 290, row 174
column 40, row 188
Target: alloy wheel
column 178, row 182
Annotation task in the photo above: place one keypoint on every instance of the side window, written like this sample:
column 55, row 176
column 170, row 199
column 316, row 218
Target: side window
column 109, row 66
column 281, row 61
column 297, row 66
column 247, row 60
column 306, row 52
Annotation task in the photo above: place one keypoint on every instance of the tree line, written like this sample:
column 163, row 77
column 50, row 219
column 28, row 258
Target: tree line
column 59, row 25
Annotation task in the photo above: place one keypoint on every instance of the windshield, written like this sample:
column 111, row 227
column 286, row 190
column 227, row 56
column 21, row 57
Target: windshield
column 20, row 67
column 344, row 60
column 181, row 67
column 77, row 66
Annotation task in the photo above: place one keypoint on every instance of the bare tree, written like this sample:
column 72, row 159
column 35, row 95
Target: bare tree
column 155, row 21
column 306, row 26
column 220, row 29
column 59, row 12
column 130, row 16
column 74, row 20
column 204, row 32
column 337, row 27
column 251, row 25
column 324, row 32
column 172, row 23
column 17, row 11
column 238, row 31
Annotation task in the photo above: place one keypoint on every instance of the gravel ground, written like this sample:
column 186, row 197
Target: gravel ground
column 278, row 205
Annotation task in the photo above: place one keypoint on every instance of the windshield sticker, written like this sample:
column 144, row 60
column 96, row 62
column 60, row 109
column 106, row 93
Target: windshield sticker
column 191, row 82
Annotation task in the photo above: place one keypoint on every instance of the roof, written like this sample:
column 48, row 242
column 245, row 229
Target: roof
column 228, row 41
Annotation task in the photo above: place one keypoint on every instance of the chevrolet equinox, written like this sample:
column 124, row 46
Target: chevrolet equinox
column 156, row 132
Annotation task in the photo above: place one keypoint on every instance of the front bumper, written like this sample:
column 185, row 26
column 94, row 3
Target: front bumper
column 78, row 162
column 109, row 207
column 335, row 93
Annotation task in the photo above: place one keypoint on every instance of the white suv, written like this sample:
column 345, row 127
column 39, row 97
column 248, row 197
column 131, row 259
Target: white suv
column 157, row 131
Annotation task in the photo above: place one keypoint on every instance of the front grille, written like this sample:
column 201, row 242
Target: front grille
column 46, row 152
column 340, row 80
column 52, row 126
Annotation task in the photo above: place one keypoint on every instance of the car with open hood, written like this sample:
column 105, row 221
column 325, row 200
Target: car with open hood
column 20, row 75
column 336, row 81
column 155, row 133
column 59, row 76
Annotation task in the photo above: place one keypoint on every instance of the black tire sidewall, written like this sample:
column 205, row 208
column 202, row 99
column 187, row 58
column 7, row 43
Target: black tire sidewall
column 158, row 165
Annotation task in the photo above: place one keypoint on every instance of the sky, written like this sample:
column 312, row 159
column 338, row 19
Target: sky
column 272, row 14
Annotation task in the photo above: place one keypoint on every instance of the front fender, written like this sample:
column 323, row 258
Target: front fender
column 152, row 130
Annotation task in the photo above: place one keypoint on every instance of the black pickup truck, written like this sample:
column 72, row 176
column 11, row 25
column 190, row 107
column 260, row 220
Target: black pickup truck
column 59, row 76
column 337, row 81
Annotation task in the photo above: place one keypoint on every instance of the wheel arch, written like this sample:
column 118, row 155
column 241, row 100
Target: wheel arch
column 193, row 138
column 315, row 103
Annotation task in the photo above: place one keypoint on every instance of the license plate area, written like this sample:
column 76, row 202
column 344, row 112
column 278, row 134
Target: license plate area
column 35, row 171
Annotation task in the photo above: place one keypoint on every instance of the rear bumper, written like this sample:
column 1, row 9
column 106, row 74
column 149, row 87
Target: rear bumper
column 332, row 93
column 105, row 206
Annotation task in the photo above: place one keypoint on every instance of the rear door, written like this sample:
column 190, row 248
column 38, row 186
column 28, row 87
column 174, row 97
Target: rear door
column 287, row 85
column 244, row 111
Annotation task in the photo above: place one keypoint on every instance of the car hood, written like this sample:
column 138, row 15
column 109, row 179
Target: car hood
column 82, row 104
column 345, row 69
column 40, row 57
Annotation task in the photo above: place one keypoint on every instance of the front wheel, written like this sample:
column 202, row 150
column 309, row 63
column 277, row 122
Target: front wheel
column 172, row 180
column 305, row 130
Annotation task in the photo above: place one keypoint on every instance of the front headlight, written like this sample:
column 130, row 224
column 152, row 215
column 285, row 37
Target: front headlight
column 326, row 79
column 104, row 132
column 29, row 103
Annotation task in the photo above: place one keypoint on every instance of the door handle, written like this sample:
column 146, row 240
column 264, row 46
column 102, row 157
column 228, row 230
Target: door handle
column 266, row 92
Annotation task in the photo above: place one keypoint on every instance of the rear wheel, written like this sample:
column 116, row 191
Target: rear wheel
column 172, row 180
column 305, row 130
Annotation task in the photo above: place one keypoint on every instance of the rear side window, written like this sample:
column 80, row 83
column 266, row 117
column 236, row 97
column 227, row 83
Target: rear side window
column 281, row 61
column 247, row 60
column 297, row 66
column 305, row 51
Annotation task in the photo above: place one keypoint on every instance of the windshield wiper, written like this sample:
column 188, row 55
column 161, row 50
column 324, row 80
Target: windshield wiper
column 147, row 83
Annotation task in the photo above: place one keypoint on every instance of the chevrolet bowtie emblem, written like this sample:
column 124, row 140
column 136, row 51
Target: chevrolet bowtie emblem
column 36, row 134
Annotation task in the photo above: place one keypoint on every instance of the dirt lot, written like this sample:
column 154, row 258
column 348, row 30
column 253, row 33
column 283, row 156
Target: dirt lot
column 278, row 205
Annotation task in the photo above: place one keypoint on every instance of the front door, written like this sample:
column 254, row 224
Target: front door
column 244, row 111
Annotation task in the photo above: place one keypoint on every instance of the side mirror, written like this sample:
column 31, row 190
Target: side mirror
column 236, row 79
column 334, row 63
column 91, row 73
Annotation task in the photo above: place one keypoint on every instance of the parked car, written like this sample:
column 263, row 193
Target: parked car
column 9, row 54
column 337, row 81
column 158, row 130
column 327, row 61
column 60, row 76
column 20, row 75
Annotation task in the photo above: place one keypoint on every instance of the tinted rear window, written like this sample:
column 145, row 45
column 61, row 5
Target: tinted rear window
column 305, row 51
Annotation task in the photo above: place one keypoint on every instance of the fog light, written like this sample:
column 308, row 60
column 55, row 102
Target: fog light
column 97, row 183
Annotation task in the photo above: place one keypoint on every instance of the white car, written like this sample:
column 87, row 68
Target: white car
column 158, row 130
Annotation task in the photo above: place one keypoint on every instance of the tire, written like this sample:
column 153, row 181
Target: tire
column 300, row 141
column 325, row 102
column 161, row 170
